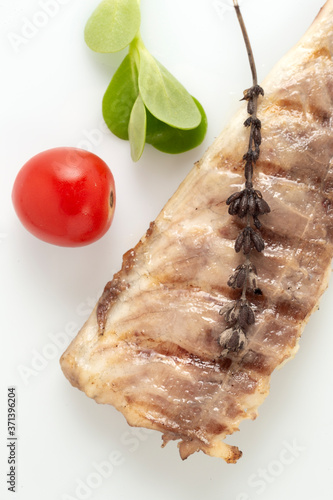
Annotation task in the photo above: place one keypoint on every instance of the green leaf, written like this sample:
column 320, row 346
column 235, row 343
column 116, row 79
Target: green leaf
column 113, row 25
column 137, row 129
column 172, row 140
column 164, row 96
column 120, row 97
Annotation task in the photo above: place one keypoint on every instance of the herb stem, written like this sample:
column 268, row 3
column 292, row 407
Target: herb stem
column 247, row 43
column 239, row 315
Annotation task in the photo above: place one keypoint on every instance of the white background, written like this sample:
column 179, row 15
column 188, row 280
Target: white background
column 51, row 91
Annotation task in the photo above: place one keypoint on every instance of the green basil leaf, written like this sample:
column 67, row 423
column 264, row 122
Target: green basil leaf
column 113, row 25
column 172, row 140
column 120, row 97
column 137, row 129
column 164, row 96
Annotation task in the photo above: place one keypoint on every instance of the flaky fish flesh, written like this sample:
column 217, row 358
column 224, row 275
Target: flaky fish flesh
column 150, row 347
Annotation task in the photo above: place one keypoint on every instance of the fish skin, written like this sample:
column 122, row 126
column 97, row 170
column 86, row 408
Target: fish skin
column 153, row 351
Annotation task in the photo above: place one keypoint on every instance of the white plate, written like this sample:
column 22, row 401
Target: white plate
column 51, row 89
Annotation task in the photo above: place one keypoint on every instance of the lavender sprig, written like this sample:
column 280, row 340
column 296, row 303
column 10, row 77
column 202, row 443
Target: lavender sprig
column 248, row 203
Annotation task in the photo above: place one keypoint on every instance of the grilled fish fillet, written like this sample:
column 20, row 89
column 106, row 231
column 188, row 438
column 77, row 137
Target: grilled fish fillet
column 150, row 348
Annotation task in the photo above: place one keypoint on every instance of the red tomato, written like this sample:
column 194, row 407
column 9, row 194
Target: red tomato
column 65, row 196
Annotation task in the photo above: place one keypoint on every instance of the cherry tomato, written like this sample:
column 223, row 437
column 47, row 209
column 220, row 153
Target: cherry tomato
column 65, row 196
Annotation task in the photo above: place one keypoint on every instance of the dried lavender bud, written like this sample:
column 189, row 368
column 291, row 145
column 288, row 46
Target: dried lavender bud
column 252, row 269
column 252, row 121
column 246, row 95
column 234, row 197
column 246, row 316
column 231, row 315
column 251, row 155
column 262, row 206
column 248, row 201
column 227, row 315
column 247, row 244
column 239, row 241
column 257, row 240
column 234, row 207
column 260, row 90
column 253, row 91
column 250, row 316
column 252, row 204
column 256, row 222
column 240, row 279
column 255, row 154
column 224, row 309
column 248, row 238
column 231, row 319
column 230, row 312
column 232, row 340
column 233, row 278
column 232, row 281
column 256, row 90
column 242, row 318
column 257, row 136
column 243, row 272
column 235, row 344
column 225, row 336
column 250, row 107
column 243, row 205
column 252, row 278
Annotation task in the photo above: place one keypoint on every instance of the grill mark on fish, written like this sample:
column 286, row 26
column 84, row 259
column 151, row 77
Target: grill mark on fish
column 175, row 413
column 310, row 173
column 111, row 292
column 113, row 288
